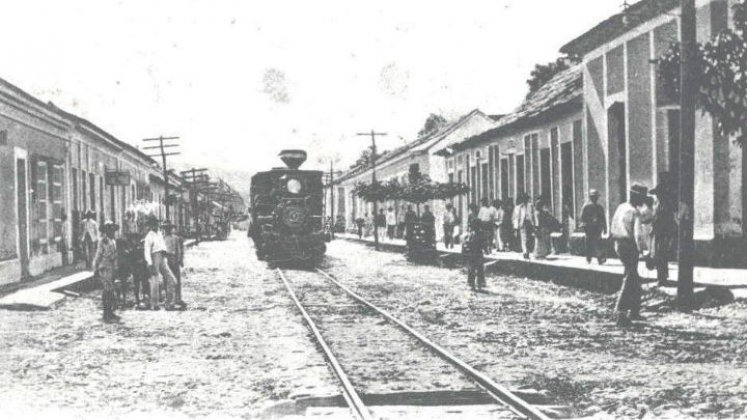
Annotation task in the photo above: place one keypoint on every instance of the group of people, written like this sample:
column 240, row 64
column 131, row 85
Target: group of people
column 397, row 225
column 163, row 255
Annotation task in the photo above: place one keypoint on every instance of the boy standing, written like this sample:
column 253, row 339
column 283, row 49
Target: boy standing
column 105, row 266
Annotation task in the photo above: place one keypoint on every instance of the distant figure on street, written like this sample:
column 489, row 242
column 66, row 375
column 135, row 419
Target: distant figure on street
column 90, row 238
column 175, row 256
column 594, row 224
column 359, row 222
column 391, row 223
column 495, row 237
column 664, row 226
column 449, row 223
column 506, row 229
column 381, row 224
column 487, row 218
column 429, row 223
column 410, row 219
column 472, row 249
column 155, row 257
column 524, row 223
column 369, row 225
column 622, row 229
column 401, row 222
column 105, row 267
column 545, row 225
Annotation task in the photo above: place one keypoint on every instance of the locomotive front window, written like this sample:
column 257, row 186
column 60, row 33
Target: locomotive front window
column 293, row 186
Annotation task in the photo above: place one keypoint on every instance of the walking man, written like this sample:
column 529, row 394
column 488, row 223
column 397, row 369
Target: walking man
column 391, row 223
column 155, row 258
column 472, row 249
column 175, row 256
column 594, row 224
column 105, row 266
column 524, row 223
column 622, row 229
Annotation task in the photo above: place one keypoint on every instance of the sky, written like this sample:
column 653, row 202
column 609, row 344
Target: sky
column 239, row 80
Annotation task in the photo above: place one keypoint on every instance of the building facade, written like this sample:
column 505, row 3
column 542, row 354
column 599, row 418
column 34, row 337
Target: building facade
column 632, row 128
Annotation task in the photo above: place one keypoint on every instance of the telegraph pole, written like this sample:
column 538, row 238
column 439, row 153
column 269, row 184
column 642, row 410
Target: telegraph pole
column 688, row 96
column 162, row 147
column 373, row 135
column 332, row 199
column 193, row 175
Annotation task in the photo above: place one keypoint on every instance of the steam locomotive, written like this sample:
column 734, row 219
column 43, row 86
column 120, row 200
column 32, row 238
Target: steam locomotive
column 286, row 212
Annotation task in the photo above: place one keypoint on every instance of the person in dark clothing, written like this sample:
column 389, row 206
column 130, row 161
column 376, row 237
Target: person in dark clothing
column 410, row 219
column 472, row 249
column 429, row 223
column 359, row 224
column 664, row 227
column 594, row 224
column 450, row 220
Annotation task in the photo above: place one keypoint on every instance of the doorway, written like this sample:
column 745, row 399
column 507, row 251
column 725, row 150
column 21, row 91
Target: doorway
column 22, row 211
column 618, row 163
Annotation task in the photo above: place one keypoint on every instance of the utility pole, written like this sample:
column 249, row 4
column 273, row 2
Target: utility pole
column 373, row 135
column 193, row 176
column 332, row 199
column 162, row 147
column 688, row 96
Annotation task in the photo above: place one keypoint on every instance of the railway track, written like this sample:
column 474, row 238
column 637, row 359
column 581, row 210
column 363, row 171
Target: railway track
column 331, row 310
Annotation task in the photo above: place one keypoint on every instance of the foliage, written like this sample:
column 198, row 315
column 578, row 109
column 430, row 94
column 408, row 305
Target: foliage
column 542, row 73
column 420, row 191
column 433, row 123
column 365, row 158
column 722, row 71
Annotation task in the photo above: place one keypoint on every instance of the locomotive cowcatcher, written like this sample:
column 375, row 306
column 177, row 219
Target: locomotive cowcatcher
column 286, row 212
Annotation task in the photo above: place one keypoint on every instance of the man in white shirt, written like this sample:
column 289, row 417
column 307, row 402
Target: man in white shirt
column 391, row 223
column 487, row 221
column 524, row 222
column 155, row 256
column 622, row 230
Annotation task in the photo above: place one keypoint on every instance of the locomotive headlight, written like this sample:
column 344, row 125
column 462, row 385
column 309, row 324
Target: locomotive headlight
column 294, row 186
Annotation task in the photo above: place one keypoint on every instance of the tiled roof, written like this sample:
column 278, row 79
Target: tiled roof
column 422, row 141
column 616, row 25
column 561, row 94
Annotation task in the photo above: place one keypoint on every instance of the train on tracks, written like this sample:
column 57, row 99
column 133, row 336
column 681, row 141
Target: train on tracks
column 287, row 212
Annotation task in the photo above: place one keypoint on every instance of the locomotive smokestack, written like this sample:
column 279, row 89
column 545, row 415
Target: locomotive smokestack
column 293, row 159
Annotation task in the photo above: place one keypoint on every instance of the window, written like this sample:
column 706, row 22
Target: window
column 42, row 199
column 56, row 198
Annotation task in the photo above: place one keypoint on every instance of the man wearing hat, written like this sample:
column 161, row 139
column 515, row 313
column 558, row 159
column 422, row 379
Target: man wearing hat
column 155, row 258
column 175, row 256
column 594, row 223
column 473, row 248
column 105, row 266
column 622, row 229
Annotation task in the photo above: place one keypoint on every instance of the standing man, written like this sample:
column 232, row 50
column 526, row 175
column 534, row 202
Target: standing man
column 472, row 248
column 90, row 237
column 105, row 267
column 175, row 256
column 391, row 223
column 622, row 229
column 410, row 219
column 380, row 221
column 449, row 223
column 359, row 222
column 524, row 223
column 429, row 223
column 487, row 218
column 155, row 258
column 664, row 226
column 401, row 223
column 594, row 223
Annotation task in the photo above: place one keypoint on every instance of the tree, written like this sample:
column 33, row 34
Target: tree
column 542, row 73
column 722, row 71
column 433, row 123
column 365, row 158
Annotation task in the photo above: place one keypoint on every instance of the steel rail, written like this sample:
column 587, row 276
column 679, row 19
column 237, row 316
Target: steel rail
column 351, row 396
column 498, row 392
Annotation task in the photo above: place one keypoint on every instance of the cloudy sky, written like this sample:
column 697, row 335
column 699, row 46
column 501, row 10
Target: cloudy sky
column 239, row 80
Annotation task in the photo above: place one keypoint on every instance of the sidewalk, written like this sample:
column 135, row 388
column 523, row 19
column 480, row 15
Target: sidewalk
column 567, row 268
column 44, row 292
